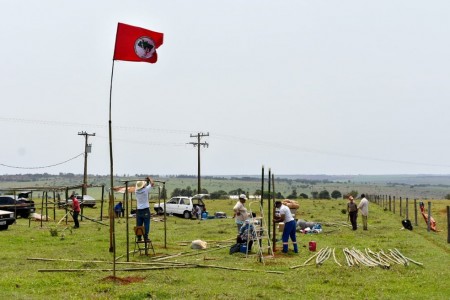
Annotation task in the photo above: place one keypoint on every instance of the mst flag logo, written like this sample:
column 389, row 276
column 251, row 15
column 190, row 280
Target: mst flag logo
column 137, row 44
column 144, row 47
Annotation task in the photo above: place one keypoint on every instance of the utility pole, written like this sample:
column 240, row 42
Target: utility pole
column 87, row 149
column 198, row 144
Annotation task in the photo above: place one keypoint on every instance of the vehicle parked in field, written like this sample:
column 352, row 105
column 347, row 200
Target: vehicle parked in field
column 85, row 201
column 21, row 207
column 6, row 219
column 181, row 205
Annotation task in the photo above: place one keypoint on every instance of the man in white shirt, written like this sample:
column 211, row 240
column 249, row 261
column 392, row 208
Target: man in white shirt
column 364, row 208
column 240, row 212
column 143, row 208
column 289, row 226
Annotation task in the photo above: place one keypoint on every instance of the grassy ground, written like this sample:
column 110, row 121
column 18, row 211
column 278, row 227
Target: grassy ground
column 22, row 278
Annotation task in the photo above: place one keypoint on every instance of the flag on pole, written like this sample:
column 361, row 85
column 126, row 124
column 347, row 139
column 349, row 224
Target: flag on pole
column 136, row 44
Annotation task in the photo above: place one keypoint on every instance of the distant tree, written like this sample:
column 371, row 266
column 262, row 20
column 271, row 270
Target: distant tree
column 221, row 194
column 176, row 192
column 163, row 193
column 236, row 192
column 188, row 192
column 336, row 194
column 303, row 196
column 279, row 196
column 353, row 193
column 293, row 195
column 447, row 196
column 315, row 195
column 324, row 195
column 204, row 191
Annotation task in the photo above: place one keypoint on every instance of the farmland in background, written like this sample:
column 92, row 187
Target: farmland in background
column 412, row 186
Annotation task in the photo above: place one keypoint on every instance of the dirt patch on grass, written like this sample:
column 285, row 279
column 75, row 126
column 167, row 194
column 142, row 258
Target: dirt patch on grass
column 125, row 280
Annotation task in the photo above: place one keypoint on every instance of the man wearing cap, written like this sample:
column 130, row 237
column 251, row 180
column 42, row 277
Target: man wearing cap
column 364, row 207
column 240, row 212
column 143, row 208
column 289, row 226
column 352, row 210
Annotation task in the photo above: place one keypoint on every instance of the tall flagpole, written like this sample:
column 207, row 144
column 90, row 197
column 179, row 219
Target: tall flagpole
column 112, row 237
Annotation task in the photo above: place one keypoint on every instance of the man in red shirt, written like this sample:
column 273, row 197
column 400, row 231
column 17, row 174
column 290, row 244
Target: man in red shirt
column 75, row 210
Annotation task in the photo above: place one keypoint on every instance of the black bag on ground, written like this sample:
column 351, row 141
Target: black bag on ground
column 407, row 224
column 235, row 248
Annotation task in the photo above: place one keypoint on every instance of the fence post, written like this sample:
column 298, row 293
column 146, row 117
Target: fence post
column 415, row 212
column 429, row 217
column 400, row 206
column 390, row 206
column 448, row 224
column 393, row 202
column 406, row 209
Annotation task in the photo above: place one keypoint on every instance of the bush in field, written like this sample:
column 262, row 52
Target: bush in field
column 324, row 195
column 336, row 194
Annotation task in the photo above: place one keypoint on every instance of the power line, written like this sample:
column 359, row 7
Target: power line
column 42, row 167
column 198, row 144
column 231, row 138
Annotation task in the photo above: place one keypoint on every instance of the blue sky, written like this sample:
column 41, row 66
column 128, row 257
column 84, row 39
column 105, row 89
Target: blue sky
column 301, row 87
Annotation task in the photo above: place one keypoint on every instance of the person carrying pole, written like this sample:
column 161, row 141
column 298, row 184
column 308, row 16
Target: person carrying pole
column 289, row 226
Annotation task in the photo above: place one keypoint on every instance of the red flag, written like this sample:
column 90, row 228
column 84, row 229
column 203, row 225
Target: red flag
column 136, row 44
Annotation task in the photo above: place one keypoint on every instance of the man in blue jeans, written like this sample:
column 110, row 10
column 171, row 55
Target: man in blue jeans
column 289, row 226
column 143, row 208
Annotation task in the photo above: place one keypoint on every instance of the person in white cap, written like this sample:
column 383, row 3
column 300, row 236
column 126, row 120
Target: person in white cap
column 240, row 212
column 143, row 208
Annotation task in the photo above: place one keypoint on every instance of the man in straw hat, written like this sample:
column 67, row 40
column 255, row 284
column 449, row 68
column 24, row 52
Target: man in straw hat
column 240, row 212
column 143, row 208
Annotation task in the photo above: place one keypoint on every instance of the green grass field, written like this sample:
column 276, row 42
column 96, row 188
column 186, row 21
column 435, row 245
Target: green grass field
column 204, row 274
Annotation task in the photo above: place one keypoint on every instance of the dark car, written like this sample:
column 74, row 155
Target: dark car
column 6, row 219
column 21, row 207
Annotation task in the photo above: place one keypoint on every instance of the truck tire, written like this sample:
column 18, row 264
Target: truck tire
column 25, row 215
column 159, row 211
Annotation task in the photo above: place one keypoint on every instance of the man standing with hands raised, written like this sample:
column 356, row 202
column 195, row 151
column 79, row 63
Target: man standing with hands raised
column 143, row 208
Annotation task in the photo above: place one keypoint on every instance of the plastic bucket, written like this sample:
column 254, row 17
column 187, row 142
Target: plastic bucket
column 243, row 248
column 312, row 246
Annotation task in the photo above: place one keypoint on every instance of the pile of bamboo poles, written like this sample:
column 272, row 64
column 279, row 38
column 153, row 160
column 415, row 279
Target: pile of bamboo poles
column 382, row 259
column 355, row 257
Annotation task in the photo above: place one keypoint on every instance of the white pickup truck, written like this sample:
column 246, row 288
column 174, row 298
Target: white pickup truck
column 181, row 205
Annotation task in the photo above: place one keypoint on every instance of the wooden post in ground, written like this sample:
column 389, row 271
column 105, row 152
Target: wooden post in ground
column 390, row 206
column 415, row 212
column 101, row 205
column 406, row 209
column 393, row 202
column 127, row 213
column 448, row 224
column 400, row 206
